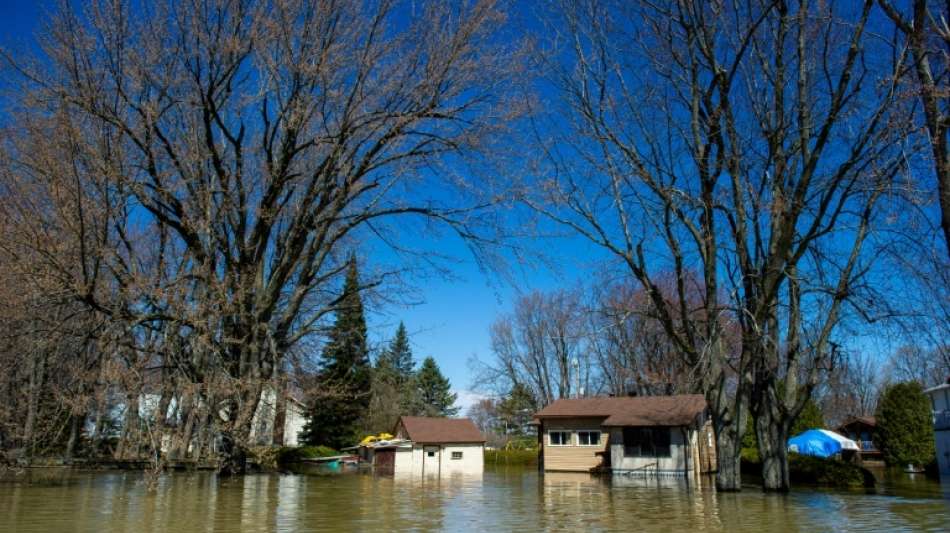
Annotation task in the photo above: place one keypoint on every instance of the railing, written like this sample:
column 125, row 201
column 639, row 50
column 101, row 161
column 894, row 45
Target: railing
column 867, row 446
column 941, row 420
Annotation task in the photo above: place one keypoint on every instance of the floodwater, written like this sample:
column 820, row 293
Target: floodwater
column 500, row 500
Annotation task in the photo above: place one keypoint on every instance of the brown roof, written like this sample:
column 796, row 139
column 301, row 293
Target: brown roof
column 867, row 420
column 678, row 410
column 440, row 430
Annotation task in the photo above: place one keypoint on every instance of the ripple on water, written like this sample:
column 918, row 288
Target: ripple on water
column 500, row 500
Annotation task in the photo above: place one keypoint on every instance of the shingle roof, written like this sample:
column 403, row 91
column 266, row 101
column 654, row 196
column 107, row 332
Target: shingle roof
column 440, row 430
column 677, row 410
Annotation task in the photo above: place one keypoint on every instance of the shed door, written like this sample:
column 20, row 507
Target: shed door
column 385, row 460
column 431, row 456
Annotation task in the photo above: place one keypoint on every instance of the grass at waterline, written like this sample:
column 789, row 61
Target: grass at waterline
column 511, row 457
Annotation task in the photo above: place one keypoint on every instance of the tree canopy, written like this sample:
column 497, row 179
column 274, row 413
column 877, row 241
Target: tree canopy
column 433, row 392
column 904, row 431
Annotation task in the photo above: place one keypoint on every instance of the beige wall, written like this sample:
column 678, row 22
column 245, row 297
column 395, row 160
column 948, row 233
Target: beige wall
column 573, row 458
column 676, row 460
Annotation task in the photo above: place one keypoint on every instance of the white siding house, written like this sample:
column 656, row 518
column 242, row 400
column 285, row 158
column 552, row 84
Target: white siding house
column 940, row 400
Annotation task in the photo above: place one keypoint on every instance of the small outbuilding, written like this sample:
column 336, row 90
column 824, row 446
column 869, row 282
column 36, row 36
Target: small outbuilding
column 651, row 436
column 429, row 446
column 860, row 429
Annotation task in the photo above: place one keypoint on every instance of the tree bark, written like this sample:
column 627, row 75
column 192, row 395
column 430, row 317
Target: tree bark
column 75, row 432
column 773, row 438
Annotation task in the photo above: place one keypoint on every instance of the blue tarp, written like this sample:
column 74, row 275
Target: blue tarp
column 814, row 442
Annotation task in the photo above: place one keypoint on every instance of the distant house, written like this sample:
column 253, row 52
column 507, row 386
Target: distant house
column 860, row 429
column 940, row 399
column 429, row 446
column 277, row 423
column 655, row 436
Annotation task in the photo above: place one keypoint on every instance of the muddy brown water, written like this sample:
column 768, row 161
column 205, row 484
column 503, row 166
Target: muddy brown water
column 503, row 499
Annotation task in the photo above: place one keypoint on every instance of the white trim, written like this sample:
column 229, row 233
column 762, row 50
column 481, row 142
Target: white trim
column 600, row 436
column 570, row 437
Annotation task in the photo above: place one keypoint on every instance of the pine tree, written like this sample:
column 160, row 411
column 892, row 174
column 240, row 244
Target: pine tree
column 904, row 429
column 432, row 390
column 517, row 409
column 345, row 374
column 397, row 357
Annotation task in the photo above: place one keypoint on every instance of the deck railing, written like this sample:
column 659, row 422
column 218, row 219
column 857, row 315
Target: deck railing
column 941, row 420
column 867, row 446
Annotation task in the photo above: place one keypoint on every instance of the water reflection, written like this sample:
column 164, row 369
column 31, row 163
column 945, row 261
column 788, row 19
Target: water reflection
column 501, row 500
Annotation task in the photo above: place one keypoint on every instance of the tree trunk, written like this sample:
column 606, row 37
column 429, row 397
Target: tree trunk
column 773, row 438
column 37, row 374
column 729, row 472
column 76, row 422
column 233, row 456
column 128, row 444
column 280, row 418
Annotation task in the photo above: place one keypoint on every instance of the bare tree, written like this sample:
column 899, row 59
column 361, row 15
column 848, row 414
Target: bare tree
column 922, row 28
column 543, row 346
column 234, row 152
column 749, row 142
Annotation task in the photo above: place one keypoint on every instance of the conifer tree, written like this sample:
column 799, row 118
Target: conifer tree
column 432, row 390
column 345, row 374
column 397, row 357
column 904, row 429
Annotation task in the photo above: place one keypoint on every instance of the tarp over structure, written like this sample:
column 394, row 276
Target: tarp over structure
column 820, row 443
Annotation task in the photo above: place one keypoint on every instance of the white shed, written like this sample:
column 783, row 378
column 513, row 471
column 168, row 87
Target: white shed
column 425, row 446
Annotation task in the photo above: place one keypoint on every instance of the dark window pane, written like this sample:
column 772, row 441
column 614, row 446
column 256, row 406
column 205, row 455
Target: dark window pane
column 661, row 442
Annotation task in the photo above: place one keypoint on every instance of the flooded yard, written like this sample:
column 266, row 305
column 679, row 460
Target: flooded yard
column 500, row 500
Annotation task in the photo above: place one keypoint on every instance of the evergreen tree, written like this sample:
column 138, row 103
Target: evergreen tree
column 517, row 409
column 432, row 390
column 397, row 357
column 904, row 430
column 811, row 417
column 345, row 374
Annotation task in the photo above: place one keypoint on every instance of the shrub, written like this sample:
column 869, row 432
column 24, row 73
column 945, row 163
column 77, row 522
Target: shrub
column 831, row 472
column 511, row 457
column 289, row 454
column 904, row 430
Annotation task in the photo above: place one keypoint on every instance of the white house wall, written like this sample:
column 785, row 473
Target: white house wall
column 413, row 463
column 294, row 420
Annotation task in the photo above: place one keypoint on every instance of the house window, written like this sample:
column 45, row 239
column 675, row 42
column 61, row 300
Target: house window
column 456, row 455
column 646, row 442
column 559, row 438
column 588, row 438
column 431, row 454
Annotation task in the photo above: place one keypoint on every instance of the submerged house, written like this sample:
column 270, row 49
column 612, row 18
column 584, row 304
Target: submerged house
column 860, row 429
column 655, row 436
column 429, row 446
column 940, row 400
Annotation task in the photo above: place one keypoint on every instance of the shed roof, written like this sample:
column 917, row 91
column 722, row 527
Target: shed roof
column 676, row 410
column 428, row 430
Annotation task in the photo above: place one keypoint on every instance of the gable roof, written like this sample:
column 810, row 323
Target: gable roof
column 676, row 410
column 428, row 430
column 867, row 420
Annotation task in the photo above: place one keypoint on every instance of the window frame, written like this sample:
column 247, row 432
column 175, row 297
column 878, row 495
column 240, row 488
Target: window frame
column 570, row 437
column 652, row 452
column 588, row 431
column 456, row 456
